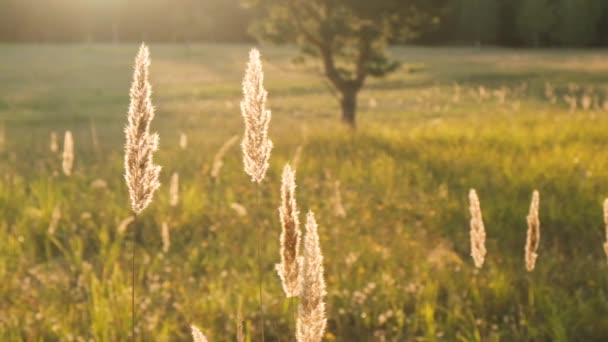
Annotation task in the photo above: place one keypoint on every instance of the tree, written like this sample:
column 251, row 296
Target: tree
column 348, row 36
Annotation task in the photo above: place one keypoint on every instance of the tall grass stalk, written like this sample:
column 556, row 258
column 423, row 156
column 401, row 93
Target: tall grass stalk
column 256, row 146
column 141, row 175
column 289, row 268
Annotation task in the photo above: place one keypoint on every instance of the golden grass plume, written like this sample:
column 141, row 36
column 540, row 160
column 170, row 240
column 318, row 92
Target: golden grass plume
column 533, row 234
column 288, row 269
column 255, row 145
column 197, row 335
column 165, row 236
column 68, row 154
column 141, row 174
column 478, row 231
column 311, row 321
column 174, row 190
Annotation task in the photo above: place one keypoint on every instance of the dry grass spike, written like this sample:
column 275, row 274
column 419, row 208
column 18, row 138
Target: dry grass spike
column 288, row 269
column 141, row 174
column 68, row 153
column 312, row 321
column 165, row 236
column 255, row 145
column 533, row 234
column 174, row 190
column 197, row 335
column 478, row 231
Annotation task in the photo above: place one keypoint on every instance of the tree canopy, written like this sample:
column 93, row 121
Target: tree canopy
column 348, row 36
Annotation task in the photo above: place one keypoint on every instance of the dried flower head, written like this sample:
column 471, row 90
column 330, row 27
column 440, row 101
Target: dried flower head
column 218, row 159
column 255, row 145
column 533, row 235
column 478, row 231
column 174, row 190
column 141, row 174
column 311, row 321
column 288, row 269
column 68, row 153
column 197, row 335
column 54, row 144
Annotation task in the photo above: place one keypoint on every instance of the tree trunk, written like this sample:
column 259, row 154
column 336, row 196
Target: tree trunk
column 349, row 106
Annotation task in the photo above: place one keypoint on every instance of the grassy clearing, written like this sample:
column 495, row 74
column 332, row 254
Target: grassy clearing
column 397, row 265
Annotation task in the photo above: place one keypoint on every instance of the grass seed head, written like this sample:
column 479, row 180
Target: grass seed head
column 478, row 231
column 68, row 153
column 141, row 174
column 533, row 234
column 311, row 322
column 288, row 269
column 255, row 145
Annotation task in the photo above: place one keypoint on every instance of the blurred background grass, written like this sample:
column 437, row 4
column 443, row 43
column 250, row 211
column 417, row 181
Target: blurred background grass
column 397, row 263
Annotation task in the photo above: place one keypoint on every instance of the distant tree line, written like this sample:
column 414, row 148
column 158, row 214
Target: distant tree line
column 536, row 23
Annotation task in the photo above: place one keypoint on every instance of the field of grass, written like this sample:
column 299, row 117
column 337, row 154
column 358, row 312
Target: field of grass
column 397, row 263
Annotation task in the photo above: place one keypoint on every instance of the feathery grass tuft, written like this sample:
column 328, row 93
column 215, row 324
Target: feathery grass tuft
column 174, row 190
column 141, row 174
column 197, row 335
column 288, row 269
column 255, row 145
column 165, row 237
column 533, row 235
column 478, row 231
column 68, row 153
column 311, row 314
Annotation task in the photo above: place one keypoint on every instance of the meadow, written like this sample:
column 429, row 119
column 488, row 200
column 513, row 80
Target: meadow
column 390, row 198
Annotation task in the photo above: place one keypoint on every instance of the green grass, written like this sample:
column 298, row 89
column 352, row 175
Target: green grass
column 397, row 266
